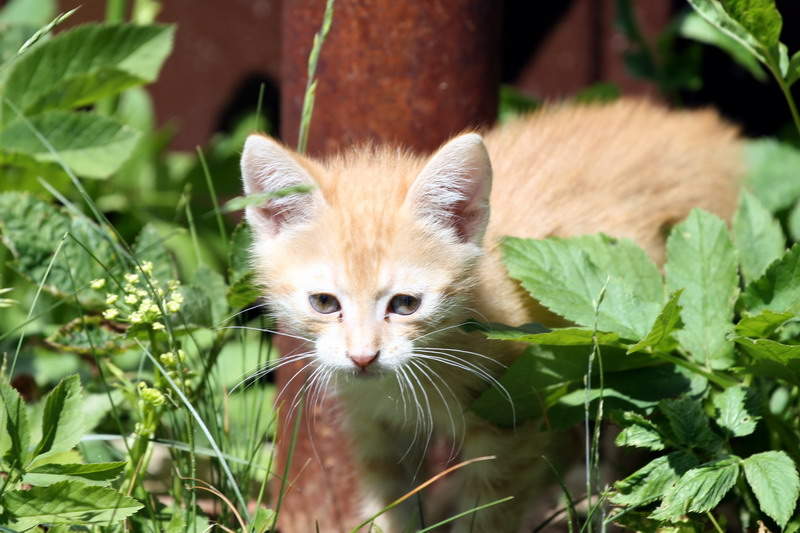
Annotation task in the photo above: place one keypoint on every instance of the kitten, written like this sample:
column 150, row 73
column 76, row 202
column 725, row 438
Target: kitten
column 390, row 252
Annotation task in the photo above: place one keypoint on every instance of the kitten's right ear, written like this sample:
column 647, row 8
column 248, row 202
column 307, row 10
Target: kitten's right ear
column 268, row 167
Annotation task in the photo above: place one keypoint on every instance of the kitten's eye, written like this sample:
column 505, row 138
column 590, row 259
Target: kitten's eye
column 404, row 304
column 324, row 303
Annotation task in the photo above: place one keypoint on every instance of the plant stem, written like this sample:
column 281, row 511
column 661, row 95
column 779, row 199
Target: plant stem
column 717, row 379
column 787, row 93
column 311, row 83
column 115, row 10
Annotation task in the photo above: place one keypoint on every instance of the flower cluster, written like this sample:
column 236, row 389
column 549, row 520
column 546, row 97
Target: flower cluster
column 144, row 299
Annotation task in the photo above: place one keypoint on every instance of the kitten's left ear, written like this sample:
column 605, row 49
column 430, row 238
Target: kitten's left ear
column 452, row 191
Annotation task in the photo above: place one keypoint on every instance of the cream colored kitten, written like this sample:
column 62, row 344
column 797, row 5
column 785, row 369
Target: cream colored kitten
column 390, row 252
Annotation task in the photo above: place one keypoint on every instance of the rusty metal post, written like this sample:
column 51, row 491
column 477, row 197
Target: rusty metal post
column 411, row 73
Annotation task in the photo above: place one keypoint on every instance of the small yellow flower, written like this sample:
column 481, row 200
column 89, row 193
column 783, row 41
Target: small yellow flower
column 167, row 359
column 111, row 299
column 132, row 278
column 147, row 267
column 153, row 396
column 135, row 318
column 158, row 326
column 173, row 306
column 98, row 284
column 131, row 299
column 111, row 314
column 173, row 284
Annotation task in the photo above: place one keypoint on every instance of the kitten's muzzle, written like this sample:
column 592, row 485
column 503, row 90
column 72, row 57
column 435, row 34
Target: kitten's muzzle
column 362, row 361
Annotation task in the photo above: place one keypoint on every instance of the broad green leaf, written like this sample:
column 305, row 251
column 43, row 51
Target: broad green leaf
column 243, row 288
column 67, row 502
column 92, row 145
column 759, row 17
column 773, row 172
column 62, row 422
column 699, row 490
column 702, row 261
column 667, row 321
column 33, row 250
column 89, row 335
column 689, row 423
column 714, row 13
column 759, row 238
column 737, row 411
column 693, row 26
column 779, row 288
column 763, row 324
column 555, row 337
column 102, row 60
column 794, row 69
column 563, row 275
column 639, row 432
column 100, row 474
column 773, row 477
column 649, row 483
column 212, row 284
column 149, row 246
column 769, row 349
column 16, row 424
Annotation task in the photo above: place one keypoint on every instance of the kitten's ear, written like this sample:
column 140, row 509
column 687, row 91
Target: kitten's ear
column 268, row 167
column 453, row 189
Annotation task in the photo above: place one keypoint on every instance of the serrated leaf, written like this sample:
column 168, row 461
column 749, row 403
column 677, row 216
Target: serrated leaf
column 563, row 275
column 667, row 321
column 702, row 261
column 213, row 286
column 639, row 432
column 759, row 238
column 103, row 60
column 243, row 288
column 62, row 421
column 714, row 13
column 737, row 411
column 89, row 335
column 689, row 423
column 779, row 288
column 763, row 324
column 769, row 349
column 773, row 477
column 759, row 17
column 773, row 173
column 15, row 418
column 67, row 502
column 649, row 483
column 92, row 145
column 699, row 490
column 100, row 474
column 33, row 250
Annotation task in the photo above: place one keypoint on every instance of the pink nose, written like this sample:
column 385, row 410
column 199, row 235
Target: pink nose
column 362, row 361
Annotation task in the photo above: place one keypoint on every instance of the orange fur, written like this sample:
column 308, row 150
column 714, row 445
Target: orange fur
column 383, row 222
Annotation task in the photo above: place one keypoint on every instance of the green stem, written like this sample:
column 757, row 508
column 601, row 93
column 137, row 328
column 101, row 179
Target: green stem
column 714, row 521
column 787, row 93
column 717, row 379
column 115, row 11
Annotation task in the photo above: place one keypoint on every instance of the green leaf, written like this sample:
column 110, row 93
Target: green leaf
column 737, row 411
column 667, row 321
column 773, row 478
column 213, row 285
column 568, row 276
column 243, row 289
column 555, row 337
column 62, row 422
column 773, row 173
column 779, row 288
column 67, row 502
column 689, row 424
column 769, row 349
column 714, row 13
column 33, row 250
column 33, row 12
column 639, row 432
column 92, row 145
column 102, row 60
column 763, row 324
column 100, row 474
column 759, row 17
column 16, row 425
column 149, row 246
column 693, row 26
column 702, row 261
column 649, row 483
column 89, row 335
column 699, row 490
column 794, row 69
column 759, row 238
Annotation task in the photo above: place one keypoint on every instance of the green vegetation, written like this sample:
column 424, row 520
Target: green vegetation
column 133, row 313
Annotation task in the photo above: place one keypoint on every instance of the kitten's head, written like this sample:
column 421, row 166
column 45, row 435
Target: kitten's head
column 378, row 256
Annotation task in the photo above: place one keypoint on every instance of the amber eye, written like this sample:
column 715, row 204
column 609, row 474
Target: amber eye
column 324, row 303
column 404, row 304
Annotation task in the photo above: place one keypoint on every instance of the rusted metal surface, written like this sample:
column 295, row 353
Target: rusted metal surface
column 413, row 73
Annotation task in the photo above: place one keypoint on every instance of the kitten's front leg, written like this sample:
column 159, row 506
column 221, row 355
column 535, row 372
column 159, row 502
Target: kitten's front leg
column 390, row 459
column 517, row 470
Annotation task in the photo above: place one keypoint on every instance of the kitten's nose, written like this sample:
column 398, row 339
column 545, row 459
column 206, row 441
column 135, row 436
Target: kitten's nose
column 362, row 361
